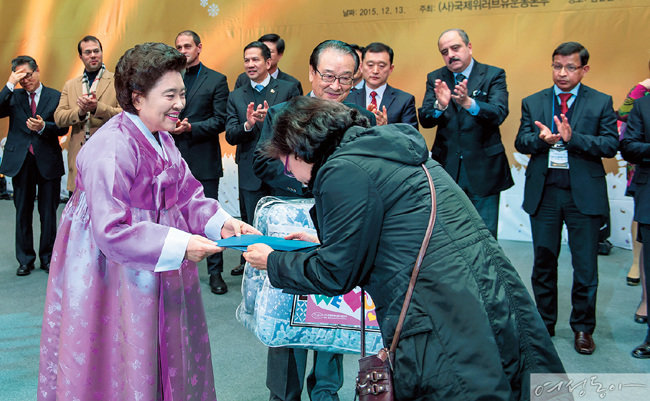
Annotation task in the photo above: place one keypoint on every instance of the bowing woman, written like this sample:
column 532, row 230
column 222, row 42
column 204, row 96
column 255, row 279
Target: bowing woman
column 123, row 314
column 471, row 331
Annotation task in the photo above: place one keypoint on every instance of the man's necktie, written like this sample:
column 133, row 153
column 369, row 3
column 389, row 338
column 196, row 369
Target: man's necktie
column 32, row 105
column 564, row 98
column 460, row 78
column 259, row 87
column 373, row 94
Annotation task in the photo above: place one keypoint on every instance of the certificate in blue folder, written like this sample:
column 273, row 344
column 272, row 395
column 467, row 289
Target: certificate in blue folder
column 279, row 244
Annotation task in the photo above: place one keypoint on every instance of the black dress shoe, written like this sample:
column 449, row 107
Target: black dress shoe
column 632, row 281
column 217, row 285
column 237, row 271
column 584, row 343
column 642, row 351
column 45, row 267
column 24, row 270
column 640, row 318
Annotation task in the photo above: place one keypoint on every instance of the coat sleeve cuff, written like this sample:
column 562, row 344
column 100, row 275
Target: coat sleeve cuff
column 215, row 224
column 173, row 250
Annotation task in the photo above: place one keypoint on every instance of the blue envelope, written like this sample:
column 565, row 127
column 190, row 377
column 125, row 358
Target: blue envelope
column 279, row 244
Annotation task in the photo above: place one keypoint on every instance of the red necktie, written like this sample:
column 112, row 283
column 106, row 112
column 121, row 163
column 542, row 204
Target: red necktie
column 564, row 98
column 373, row 94
column 32, row 104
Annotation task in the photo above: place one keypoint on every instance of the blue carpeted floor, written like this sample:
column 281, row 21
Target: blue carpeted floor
column 239, row 359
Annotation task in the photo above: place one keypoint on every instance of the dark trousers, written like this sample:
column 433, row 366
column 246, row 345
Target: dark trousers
column 557, row 207
column 211, row 190
column 285, row 374
column 486, row 206
column 25, row 184
column 644, row 236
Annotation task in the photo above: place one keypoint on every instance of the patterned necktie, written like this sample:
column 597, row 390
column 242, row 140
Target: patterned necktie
column 373, row 94
column 564, row 98
column 32, row 105
column 259, row 87
column 460, row 78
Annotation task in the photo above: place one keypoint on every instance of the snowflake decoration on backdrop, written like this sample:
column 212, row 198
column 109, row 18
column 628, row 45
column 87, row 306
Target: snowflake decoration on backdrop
column 204, row 3
column 213, row 10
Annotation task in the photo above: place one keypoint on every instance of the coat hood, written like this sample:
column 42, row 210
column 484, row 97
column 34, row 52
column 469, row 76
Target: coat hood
column 396, row 142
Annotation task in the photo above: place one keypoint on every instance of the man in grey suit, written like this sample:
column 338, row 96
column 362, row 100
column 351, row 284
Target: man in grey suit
column 246, row 111
column 197, row 133
column 389, row 104
column 468, row 101
column 276, row 45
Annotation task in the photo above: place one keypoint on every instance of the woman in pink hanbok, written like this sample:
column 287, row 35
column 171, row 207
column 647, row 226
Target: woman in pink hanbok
column 123, row 316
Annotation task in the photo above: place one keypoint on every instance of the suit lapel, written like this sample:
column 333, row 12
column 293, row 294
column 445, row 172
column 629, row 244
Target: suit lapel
column 42, row 102
column 195, row 86
column 548, row 100
column 579, row 104
column 24, row 102
column 476, row 78
column 388, row 98
column 102, row 85
column 272, row 91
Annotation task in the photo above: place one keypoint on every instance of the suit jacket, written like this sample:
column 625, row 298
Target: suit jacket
column 594, row 135
column 243, row 80
column 272, row 171
column 477, row 139
column 205, row 109
column 47, row 151
column 400, row 105
column 635, row 148
column 277, row 91
column 67, row 115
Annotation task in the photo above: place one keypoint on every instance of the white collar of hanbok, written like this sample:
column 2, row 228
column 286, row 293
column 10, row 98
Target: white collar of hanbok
column 147, row 134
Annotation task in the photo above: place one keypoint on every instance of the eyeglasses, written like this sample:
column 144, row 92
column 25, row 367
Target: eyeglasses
column 286, row 168
column 330, row 78
column 89, row 52
column 568, row 68
column 27, row 75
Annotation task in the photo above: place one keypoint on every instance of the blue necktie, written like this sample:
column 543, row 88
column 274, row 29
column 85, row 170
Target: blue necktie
column 460, row 78
column 259, row 87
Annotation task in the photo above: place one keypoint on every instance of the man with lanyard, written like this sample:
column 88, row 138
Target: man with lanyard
column 567, row 129
column 87, row 101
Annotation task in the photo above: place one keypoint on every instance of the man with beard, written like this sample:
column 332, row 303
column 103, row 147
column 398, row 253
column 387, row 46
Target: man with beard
column 87, row 101
column 197, row 133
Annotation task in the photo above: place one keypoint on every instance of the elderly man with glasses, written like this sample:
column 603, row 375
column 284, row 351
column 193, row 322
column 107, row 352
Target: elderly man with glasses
column 332, row 65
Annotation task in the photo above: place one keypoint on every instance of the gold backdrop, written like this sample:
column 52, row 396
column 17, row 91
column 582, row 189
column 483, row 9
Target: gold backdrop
column 517, row 35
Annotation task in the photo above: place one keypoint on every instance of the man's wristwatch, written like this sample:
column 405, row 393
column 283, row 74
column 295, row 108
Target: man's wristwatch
column 436, row 105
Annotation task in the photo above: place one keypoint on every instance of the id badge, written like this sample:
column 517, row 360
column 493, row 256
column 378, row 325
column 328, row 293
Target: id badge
column 558, row 157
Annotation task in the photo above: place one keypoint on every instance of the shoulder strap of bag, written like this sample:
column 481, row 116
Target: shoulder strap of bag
column 414, row 276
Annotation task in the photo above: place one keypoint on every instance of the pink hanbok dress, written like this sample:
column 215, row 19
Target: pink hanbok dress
column 123, row 315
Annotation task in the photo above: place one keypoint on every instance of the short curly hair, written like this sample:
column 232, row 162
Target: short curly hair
column 141, row 67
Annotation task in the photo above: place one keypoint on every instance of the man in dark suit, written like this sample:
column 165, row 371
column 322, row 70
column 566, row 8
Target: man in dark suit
column 246, row 111
column 567, row 129
column 331, row 69
column 33, row 158
column 197, row 134
column 635, row 148
column 468, row 101
column 389, row 104
column 276, row 45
